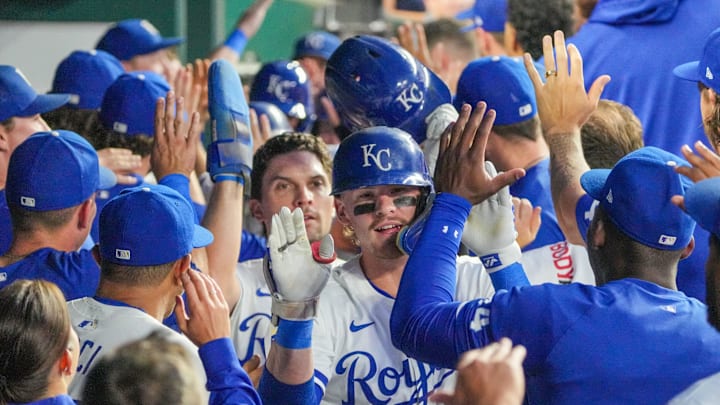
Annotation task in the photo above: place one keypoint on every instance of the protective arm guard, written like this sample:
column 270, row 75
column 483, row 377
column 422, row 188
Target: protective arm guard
column 295, row 272
column 230, row 152
column 437, row 121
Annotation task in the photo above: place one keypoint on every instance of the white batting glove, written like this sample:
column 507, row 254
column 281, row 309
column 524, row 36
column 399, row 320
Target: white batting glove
column 437, row 121
column 490, row 229
column 295, row 272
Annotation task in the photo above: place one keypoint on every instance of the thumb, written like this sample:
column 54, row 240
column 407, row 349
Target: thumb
column 597, row 88
column 251, row 364
column 180, row 314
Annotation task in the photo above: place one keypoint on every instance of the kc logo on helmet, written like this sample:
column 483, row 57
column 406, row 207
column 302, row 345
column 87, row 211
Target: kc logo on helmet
column 376, row 157
column 280, row 88
column 410, row 97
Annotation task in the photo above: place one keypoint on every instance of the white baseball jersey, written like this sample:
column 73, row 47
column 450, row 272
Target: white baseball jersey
column 355, row 361
column 250, row 320
column 558, row 263
column 103, row 325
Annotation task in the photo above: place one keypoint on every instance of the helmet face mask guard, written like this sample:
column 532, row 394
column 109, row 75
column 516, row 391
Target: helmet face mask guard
column 286, row 85
column 373, row 82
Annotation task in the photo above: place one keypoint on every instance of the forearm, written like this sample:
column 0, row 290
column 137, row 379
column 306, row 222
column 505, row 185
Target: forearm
column 424, row 318
column 567, row 164
column 288, row 375
column 224, row 218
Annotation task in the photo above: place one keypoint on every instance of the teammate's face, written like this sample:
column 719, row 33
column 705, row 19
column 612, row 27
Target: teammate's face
column 159, row 62
column 20, row 130
column 377, row 214
column 296, row 179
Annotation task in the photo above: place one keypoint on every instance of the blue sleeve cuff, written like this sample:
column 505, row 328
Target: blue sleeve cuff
column 236, row 41
column 454, row 202
column 511, row 276
column 273, row 391
column 179, row 183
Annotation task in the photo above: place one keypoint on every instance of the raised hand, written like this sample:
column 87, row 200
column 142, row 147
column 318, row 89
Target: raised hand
column 176, row 140
column 295, row 272
column 704, row 164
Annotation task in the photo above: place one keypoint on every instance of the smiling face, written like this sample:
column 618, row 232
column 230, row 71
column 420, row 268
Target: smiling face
column 296, row 179
column 377, row 214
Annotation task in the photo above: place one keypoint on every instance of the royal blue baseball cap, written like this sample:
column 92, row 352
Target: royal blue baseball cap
column 149, row 225
column 636, row 195
column 320, row 44
column 707, row 69
column 702, row 203
column 19, row 99
column 503, row 83
column 132, row 37
column 128, row 106
column 489, row 15
column 85, row 75
column 54, row 170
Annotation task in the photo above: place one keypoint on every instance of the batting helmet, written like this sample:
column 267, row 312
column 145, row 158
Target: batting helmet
column 379, row 156
column 278, row 120
column 373, row 82
column 285, row 84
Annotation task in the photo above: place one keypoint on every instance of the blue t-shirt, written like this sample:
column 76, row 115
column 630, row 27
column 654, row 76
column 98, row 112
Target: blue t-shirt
column 535, row 186
column 77, row 274
column 58, row 400
column 628, row 341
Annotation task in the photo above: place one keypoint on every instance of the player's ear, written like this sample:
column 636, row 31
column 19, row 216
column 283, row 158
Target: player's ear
column 688, row 249
column 256, row 209
column 96, row 254
column 86, row 213
column 340, row 212
column 4, row 138
column 181, row 266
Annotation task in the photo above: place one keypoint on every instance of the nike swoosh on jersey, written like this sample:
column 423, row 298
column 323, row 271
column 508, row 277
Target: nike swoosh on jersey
column 260, row 293
column 358, row 327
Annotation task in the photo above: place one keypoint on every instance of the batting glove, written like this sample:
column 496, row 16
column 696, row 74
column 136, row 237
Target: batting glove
column 295, row 271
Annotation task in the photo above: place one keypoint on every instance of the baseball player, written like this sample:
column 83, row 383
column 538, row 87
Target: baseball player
column 52, row 180
column 285, row 84
column 634, row 247
column 381, row 182
column 20, row 109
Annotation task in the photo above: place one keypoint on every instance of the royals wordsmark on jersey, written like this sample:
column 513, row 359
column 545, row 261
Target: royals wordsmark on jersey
column 250, row 320
column 102, row 325
column 549, row 258
column 355, row 361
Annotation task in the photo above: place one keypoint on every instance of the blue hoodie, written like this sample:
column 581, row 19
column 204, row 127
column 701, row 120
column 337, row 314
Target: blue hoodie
column 638, row 43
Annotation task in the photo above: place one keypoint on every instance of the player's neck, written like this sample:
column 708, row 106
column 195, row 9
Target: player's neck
column 151, row 299
column 383, row 273
column 25, row 244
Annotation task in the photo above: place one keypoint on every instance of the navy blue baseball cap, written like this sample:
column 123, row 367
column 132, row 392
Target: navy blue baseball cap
column 128, row 106
column 129, row 38
column 702, row 203
column 489, row 15
column 503, row 83
column 85, row 75
column 319, row 44
column 149, row 225
column 707, row 69
column 19, row 99
column 54, row 170
column 636, row 195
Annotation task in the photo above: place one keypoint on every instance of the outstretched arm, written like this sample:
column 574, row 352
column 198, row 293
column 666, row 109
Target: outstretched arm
column 563, row 107
column 246, row 27
column 426, row 323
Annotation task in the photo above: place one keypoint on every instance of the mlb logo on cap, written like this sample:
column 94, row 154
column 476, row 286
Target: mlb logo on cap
column 128, row 106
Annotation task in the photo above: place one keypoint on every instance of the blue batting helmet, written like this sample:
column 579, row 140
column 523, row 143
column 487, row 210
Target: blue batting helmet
column 379, row 156
column 285, row 84
column 373, row 82
column 278, row 120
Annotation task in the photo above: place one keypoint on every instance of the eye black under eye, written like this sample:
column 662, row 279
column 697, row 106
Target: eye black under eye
column 363, row 209
column 405, row 201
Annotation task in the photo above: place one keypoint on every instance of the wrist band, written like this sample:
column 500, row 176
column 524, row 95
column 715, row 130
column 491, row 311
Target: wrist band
column 294, row 334
column 238, row 178
column 236, row 41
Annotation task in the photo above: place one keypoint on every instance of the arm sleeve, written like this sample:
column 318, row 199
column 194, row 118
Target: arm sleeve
column 273, row 391
column 227, row 382
column 426, row 323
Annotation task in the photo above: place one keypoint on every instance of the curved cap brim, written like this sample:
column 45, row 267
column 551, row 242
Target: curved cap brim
column 688, row 71
column 593, row 182
column 202, row 237
column 44, row 103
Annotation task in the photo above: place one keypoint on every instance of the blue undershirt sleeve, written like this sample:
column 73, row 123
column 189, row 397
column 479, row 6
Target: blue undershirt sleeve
column 272, row 391
column 227, row 382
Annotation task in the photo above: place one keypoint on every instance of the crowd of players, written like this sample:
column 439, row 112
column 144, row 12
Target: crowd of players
column 371, row 221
